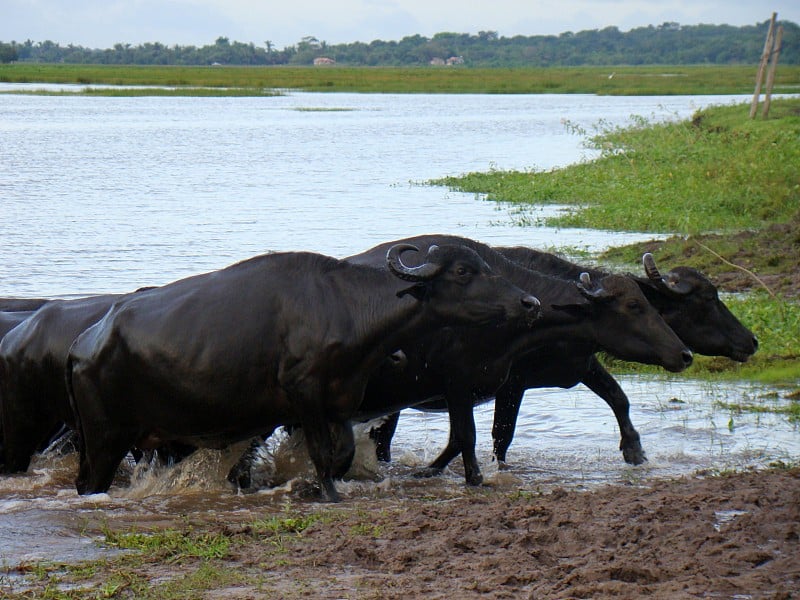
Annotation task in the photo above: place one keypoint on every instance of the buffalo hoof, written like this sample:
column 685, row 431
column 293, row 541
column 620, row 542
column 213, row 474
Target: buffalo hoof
column 475, row 479
column 634, row 455
column 329, row 493
column 427, row 472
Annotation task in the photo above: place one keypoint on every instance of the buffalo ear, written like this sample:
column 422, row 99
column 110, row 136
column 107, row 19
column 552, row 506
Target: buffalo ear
column 417, row 290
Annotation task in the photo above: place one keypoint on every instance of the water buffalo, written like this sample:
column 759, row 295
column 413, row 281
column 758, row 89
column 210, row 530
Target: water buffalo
column 684, row 297
column 8, row 321
column 34, row 404
column 458, row 367
column 21, row 304
column 280, row 339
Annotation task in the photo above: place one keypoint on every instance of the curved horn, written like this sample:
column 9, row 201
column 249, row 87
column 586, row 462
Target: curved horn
column 650, row 268
column 671, row 283
column 395, row 263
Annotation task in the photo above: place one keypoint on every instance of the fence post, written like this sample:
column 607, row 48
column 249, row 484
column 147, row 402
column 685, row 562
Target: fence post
column 773, row 63
column 763, row 64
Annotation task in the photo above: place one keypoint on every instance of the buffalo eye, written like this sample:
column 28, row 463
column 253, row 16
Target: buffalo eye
column 463, row 274
column 634, row 305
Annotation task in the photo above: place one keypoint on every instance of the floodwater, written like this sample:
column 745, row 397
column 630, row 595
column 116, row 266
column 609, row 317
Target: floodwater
column 110, row 194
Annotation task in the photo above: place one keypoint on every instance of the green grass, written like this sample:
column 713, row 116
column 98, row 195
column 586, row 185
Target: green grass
column 730, row 186
column 171, row 543
column 202, row 92
column 719, row 171
column 203, row 553
column 773, row 320
column 790, row 409
column 648, row 80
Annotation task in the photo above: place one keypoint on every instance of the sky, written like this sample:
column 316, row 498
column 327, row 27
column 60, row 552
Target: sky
column 103, row 23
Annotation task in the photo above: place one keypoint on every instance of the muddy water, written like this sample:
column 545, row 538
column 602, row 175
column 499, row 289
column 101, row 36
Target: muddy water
column 564, row 438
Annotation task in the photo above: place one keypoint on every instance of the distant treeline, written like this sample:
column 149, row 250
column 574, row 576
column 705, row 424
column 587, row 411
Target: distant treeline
column 669, row 43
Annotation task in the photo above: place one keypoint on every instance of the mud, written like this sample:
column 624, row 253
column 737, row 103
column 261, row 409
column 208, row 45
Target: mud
column 734, row 536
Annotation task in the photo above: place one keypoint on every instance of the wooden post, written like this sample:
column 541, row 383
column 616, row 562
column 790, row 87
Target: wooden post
column 773, row 63
column 763, row 64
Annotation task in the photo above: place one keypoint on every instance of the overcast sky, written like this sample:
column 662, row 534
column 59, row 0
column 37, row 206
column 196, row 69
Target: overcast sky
column 102, row 23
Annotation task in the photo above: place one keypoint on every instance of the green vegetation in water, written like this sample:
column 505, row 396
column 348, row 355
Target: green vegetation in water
column 171, row 543
column 719, row 171
column 644, row 80
column 125, row 92
column 202, row 552
column 791, row 409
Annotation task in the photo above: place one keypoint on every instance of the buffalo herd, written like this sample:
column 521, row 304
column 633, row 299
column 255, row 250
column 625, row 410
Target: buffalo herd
column 297, row 339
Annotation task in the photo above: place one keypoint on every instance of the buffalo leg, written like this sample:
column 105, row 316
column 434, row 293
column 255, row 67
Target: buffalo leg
column 440, row 462
column 382, row 436
column 28, row 419
column 324, row 454
column 604, row 385
column 506, row 410
column 344, row 448
column 462, row 438
column 240, row 474
column 102, row 445
column 98, row 467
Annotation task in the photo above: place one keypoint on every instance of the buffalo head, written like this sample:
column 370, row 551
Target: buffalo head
column 628, row 326
column 458, row 284
column 690, row 304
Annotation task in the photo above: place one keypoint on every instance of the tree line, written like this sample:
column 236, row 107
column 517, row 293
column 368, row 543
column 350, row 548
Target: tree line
column 668, row 43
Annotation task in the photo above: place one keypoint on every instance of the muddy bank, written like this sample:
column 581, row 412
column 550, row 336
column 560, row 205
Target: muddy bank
column 730, row 536
column 723, row 537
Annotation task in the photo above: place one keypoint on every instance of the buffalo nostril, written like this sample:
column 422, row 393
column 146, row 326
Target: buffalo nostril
column 687, row 357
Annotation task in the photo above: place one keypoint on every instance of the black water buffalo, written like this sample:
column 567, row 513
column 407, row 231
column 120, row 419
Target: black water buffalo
column 687, row 301
column 684, row 297
column 9, row 320
column 34, row 403
column 21, row 304
column 280, row 339
column 459, row 367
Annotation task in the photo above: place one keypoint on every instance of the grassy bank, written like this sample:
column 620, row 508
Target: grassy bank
column 727, row 185
column 649, row 80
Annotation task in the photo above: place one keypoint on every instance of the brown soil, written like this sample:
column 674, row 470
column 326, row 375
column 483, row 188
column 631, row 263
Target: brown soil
column 767, row 258
column 733, row 536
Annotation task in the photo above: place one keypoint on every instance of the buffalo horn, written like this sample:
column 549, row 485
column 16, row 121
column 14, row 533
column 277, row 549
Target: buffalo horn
column 650, row 268
column 671, row 283
column 394, row 261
